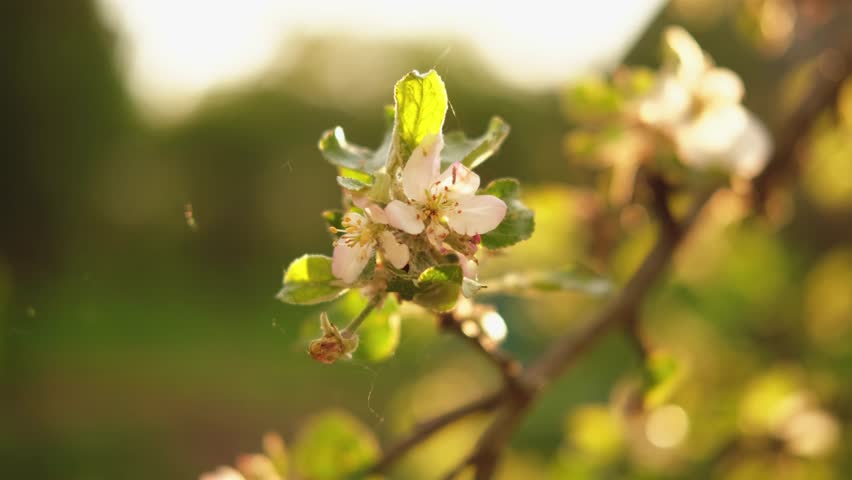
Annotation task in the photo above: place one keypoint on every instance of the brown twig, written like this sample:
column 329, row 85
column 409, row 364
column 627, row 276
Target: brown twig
column 508, row 367
column 426, row 429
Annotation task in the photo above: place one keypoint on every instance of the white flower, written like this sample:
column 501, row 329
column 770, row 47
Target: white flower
column 436, row 200
column 698, row 104
column 362, row 235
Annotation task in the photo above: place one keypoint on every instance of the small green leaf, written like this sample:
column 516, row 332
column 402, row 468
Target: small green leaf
column 309, row 280
column 338, row 151
column 379, row 334
column 334, row 445
column 474, row 151
column 593, row 99
column 662, row 375
column 352, row 184
column 519, row 222
column 439, row 287
column 421, row 104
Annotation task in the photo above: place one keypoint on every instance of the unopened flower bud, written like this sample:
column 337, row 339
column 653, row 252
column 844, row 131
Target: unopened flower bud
column 333, row 344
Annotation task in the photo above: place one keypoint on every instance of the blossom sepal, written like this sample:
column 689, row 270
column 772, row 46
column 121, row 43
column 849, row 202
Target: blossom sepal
column 333, row 344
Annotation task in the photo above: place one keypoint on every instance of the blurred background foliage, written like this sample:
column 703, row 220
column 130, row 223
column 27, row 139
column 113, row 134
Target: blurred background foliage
column 140, row 337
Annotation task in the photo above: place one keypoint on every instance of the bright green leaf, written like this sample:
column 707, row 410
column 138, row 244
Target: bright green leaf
column 519, row 222
column 379, row 334
column 352, row 184
column 332, row 446
column 309, row 280
column 421, row 104
column 474, row 151
column 438, row 287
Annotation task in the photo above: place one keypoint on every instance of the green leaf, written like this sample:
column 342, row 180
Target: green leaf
column 338, row 151
column 421, row 105
column 519, row 222
column 352, row 184
column 662, row 375
column 563, row 280
column 379, row 334
column 334, row 445
column 438, row 287
column 593, row 99
column 474, row 151
column 309, row 280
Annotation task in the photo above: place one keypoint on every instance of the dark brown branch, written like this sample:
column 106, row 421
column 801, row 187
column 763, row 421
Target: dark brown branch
column 425, row 430
column 825, row 88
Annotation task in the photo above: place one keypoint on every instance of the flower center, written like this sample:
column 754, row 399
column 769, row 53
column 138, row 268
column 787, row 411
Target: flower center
column 357, row 231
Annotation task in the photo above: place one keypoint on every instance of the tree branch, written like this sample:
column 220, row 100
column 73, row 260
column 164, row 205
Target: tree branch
column 508, row 367
column 426, row 429
column 568, row 348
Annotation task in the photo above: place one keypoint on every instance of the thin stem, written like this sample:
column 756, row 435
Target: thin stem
column 426, row 429
column 357, row 321
column 508, row 367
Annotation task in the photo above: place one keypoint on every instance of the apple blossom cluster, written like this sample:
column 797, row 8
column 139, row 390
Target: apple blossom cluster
column 689, row 110
column 414, row 219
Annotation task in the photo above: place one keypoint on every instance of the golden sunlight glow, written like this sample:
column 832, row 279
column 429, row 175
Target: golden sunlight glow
column 176, row 50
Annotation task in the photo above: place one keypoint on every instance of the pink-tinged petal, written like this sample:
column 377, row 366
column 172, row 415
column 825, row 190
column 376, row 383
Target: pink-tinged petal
column 436, row 233
column 347, row 262
column 469, row 266
column 458, row 181
column 422, row 168
column 404, row 217
column 479, row 214
column 375, row 213
column 396, row 253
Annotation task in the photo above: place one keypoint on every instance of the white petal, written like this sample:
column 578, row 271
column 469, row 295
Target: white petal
column 373, row 211
column 479, row 214
column 690, row 58
column 436, row 233
column 348, row 262
column 469, row 266
column 750, row 153
column 404, row 217
column 395, row 252
column 422, row 168
column 729, row 137
column 667, row 104
column 458, row 181
column 720, row 85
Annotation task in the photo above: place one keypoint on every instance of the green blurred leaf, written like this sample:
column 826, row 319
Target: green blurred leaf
column 591, row 100
column 519, row 222
column 438, row 287
column 309, row 280
column 332, row 446
column 341, row 153
column 662, row 375
column 352, row 184
column 421, row 104
column 474, row 151
column 379, row 334
column 564, row 280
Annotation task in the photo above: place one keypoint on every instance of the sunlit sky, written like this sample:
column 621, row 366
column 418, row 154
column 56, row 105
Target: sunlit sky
column 177, row 50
